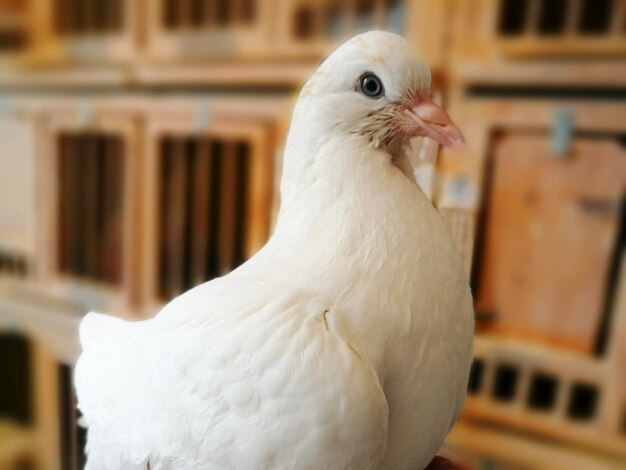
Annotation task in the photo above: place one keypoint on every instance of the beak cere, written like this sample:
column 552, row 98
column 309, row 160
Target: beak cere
column 429, row 120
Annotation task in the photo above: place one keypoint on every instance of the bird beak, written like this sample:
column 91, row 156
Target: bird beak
column 432, row 121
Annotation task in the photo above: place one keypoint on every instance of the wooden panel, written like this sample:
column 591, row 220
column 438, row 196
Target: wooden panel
column 18, row 138
column 550, row 236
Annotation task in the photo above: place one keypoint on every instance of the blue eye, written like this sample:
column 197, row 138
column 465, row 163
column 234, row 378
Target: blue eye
column 370, row 85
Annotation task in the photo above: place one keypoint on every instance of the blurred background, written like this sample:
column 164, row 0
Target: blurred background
column 140, row 152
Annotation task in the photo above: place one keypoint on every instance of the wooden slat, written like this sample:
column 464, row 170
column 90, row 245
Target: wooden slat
column 77, row 15
column 209, row 17
column 248, row 11
column 235, row 13
column 242, row 186
column 197, row 11
column 550, row 236
column 170, row 14
column 202, row 178
column 216, row 152
column 260, row 186
column 184, row 14
column 221, row 13
column 572, row 17
column 65, row 194
column 227, row 207
column 175, row 217
column 112, row 213
column 75, row 203
column 61, row 17
column 89, row 229
column 618, row 19
column 532, row 18
column 101, row 204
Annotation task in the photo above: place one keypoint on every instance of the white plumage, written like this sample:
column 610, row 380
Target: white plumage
column 345, row 343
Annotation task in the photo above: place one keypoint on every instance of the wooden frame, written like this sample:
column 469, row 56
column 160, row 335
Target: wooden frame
column 53, row 45
column 602, row 431
column 51, row 326
column 120, row 299
column 476, row 33
column 424, row 26
column 256, row 126
column 209, row 41
column 17, row 214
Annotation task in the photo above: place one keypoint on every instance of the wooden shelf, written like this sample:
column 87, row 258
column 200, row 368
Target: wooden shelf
column 18, row 77
column 227, row 74
column 607, row 73
column 518, row 450
column 200, row 74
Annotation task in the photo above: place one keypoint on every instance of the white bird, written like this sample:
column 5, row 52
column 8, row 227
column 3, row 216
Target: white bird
column 345, row 343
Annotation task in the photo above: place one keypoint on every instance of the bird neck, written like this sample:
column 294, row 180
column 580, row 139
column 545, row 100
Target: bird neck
column 320, row 154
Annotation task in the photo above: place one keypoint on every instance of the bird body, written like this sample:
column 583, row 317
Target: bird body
column 345, row 343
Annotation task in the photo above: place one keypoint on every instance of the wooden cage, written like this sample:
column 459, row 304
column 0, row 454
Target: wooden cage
column 192, row 30
column 87, row 187
column 209, row 190
column 313, row 28
column 495, row 29
column 545, row 179
column 87, row 32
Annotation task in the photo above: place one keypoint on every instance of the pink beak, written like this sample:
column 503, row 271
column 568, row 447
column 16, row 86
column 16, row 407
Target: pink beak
column 433, row 122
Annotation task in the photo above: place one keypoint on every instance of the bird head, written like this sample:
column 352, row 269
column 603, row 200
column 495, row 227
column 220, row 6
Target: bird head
column 373, row 87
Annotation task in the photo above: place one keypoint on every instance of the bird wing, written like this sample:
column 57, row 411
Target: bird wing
column 237, row 373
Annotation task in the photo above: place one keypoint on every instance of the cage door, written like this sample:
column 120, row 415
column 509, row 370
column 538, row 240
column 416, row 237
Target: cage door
column 550, row 239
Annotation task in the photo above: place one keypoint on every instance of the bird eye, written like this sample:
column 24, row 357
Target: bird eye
column 370, row 85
